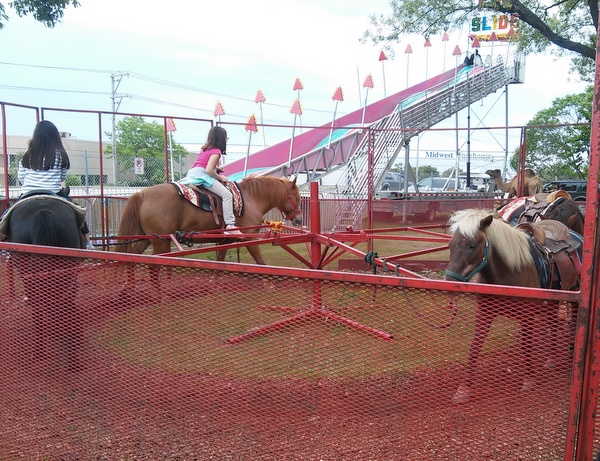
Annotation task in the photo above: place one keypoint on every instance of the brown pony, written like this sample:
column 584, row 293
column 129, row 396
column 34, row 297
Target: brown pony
column 161, row 210
column 486, row 249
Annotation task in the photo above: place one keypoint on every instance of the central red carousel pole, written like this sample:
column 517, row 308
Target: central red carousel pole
column 317, row 307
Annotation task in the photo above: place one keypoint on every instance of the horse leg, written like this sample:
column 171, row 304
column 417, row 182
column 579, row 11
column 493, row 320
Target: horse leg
column 70, row 341
column 529, row 334
column 561, row 321
column 221, row 255
column 253, row 250
column 256, row 254
column 160, row 246
column 483, row 322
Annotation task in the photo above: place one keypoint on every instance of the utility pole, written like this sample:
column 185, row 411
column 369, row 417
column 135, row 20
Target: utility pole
column 115, row 80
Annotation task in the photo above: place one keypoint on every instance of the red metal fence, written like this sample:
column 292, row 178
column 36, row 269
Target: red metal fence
column 109, row 356
column 112, row 356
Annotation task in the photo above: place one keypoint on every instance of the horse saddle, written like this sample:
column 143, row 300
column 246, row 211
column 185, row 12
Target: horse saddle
column 560, row 248
column 40, row 195
column 531, row 208
column 540, row 205
column 208, row 201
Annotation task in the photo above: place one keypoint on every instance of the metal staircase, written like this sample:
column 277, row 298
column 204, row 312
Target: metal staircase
column 385, row 138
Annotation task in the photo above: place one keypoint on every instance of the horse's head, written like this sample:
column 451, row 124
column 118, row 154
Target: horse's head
column 291, row 209
column 469, row 246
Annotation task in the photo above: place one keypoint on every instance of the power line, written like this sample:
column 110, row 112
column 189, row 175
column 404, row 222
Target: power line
column 77, row 69
column 31, row 88
column 146, row 78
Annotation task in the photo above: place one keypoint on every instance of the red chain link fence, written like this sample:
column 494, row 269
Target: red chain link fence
column 110, row 356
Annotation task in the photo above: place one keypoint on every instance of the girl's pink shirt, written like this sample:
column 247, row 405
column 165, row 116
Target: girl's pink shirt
column 203, row 157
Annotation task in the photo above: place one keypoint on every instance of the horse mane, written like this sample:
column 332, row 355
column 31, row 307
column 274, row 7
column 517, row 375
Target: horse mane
column 271, row 186
column 510, row 244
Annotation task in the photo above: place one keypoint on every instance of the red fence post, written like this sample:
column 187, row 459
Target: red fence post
column 315, row 224
column 589, row 295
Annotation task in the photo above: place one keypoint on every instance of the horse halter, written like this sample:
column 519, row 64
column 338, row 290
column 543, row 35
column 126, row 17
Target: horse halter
column 295, row 211
column 475, row 271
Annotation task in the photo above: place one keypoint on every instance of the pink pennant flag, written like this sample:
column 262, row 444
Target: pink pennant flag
column 445, row 37
column 493, row 37
column 511, row 33
column 382, row 56
column 171, row 125
column 456, row 51
column 427, row 42
column 298, row 85
column 338, row 95
column 219, row 109
column 368, row 82
column 296, row 108
column 408, row 49
column 251, row 124
column 260, row 97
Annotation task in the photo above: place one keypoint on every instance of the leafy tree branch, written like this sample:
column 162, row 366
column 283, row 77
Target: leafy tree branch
column 48, row 12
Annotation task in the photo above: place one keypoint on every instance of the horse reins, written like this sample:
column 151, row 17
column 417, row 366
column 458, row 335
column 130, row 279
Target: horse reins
column 294, row 212
column 475, row 271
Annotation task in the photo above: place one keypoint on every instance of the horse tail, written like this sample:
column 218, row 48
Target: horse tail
column 130, row 225
column 45, row 229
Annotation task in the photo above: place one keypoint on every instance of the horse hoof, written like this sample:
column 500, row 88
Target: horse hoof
column 463, row 394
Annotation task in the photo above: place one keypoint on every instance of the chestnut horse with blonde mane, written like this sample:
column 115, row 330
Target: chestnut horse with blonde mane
column 161, row 210
column 484, row 248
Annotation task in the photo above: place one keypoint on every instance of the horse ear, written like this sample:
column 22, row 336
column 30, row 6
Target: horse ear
column 294, row 181
column 485, row 222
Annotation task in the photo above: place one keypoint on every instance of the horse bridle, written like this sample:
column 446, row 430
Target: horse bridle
column 461, row 278
column 295, row 211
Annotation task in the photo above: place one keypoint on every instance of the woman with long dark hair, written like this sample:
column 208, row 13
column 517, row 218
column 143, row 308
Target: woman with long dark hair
column 44, row 166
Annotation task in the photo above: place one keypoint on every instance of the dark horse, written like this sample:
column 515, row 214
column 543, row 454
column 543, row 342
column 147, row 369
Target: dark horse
column 540, row 207
column 45, row 220
column 161, row 210
column 50, row 281
column 486, row 249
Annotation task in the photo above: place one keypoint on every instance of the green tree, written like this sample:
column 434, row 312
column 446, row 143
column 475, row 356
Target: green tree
column 137, row 138
column 450, row 171
column 48, row 12
column 570, row 25
column 427, row 170
column 559, row 146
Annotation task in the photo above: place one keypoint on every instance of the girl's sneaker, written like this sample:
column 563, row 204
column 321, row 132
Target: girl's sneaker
column 232, row 230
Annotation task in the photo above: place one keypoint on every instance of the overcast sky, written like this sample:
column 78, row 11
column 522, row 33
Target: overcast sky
column 182, row 57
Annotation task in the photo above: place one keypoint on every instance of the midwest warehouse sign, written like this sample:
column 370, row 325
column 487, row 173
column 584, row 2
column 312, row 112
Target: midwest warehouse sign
column 461, row 156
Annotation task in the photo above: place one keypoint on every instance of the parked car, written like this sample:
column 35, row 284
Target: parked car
column 575, row 187
column 392, row 181
column 433, row 184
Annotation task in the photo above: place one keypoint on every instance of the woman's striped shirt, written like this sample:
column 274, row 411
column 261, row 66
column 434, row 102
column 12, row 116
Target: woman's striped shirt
column 35, row 180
